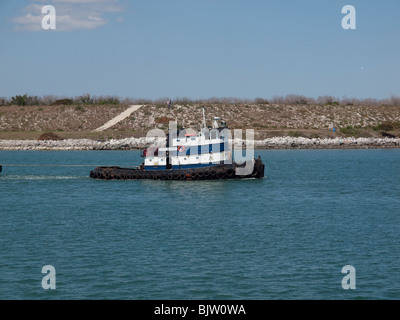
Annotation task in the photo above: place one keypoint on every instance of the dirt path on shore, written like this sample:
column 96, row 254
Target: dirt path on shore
column 118, row 118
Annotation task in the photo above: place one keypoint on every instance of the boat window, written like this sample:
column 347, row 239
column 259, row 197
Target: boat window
column 214, row 134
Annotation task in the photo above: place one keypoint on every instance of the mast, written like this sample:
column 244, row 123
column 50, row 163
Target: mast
column 168, row 159
column 204, row 118
column 167, row 153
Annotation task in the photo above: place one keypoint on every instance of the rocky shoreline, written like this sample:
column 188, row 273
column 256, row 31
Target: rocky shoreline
column 140, row 143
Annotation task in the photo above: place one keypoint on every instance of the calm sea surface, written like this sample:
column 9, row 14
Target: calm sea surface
column 286, row 236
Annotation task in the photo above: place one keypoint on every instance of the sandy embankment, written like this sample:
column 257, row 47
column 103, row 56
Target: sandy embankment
column 139, row 143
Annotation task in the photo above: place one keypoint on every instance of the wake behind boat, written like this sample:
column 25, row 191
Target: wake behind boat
column 189, row 155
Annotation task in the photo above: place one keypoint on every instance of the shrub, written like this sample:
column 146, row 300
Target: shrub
column 163, row 120
column 261, row 101
column 84, row 99
column 19, row 100
column 25, row 100
column 80, row 108
column 49, row 136
column 66, row 101
column 294, row 134
column 350, row 131
column 387, row 126
column 3, row 101
column 108, row 100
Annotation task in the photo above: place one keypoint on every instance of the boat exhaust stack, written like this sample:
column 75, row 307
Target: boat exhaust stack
column 216, row 125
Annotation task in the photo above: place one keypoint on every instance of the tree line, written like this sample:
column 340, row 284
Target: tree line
column 86, row 99
column 290, row 99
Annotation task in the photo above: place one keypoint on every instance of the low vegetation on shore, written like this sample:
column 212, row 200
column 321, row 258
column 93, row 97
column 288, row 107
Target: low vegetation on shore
column 27, row 117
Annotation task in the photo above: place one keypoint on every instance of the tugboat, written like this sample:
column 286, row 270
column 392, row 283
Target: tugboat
column 189, row 155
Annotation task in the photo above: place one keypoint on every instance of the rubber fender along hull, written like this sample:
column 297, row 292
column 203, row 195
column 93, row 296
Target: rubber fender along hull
column 218, row 172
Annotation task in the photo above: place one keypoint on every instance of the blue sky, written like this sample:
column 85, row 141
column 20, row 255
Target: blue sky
column 200, row 48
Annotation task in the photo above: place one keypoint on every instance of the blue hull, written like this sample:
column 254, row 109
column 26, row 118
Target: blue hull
column 181, row 167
